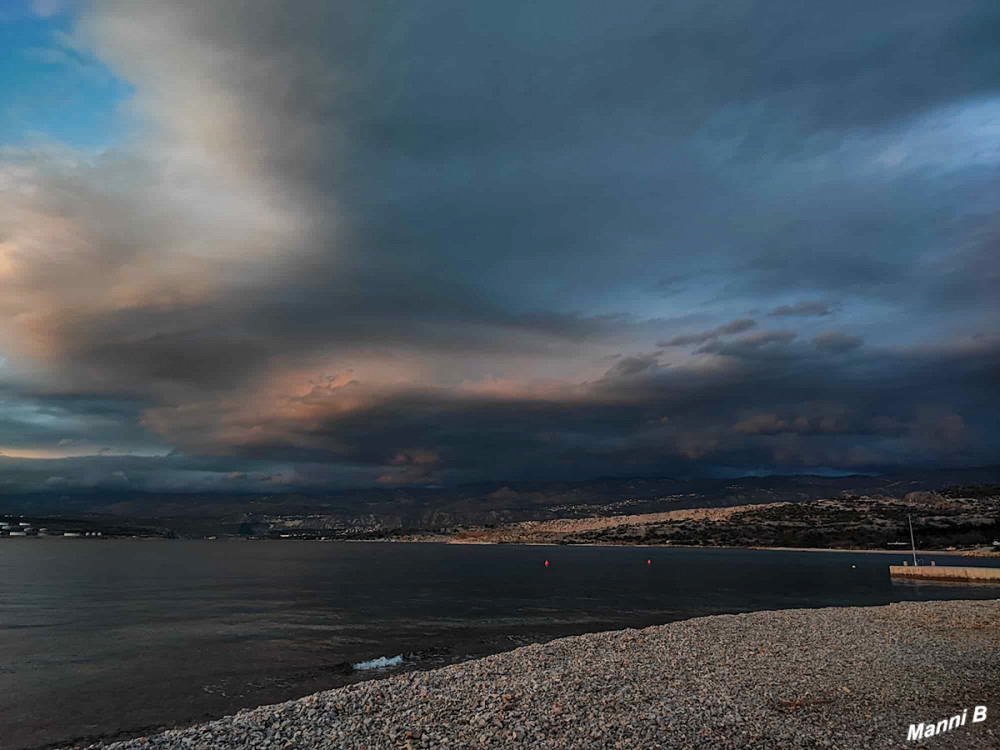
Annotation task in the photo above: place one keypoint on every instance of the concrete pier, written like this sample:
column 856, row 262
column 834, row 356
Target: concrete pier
column 946, row 573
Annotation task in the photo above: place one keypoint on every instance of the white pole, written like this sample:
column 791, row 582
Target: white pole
column 913, row 544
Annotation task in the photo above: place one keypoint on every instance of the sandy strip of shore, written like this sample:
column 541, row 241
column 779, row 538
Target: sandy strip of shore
column 845, row 678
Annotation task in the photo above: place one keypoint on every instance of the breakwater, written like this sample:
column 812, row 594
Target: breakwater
column 946, row 573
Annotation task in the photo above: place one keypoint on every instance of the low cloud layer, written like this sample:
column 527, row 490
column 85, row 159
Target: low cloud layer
column 804, row 308
column 736, row 326
column 395, row 244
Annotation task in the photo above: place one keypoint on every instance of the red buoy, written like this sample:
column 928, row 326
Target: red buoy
column 546, row 563
column 649, row 562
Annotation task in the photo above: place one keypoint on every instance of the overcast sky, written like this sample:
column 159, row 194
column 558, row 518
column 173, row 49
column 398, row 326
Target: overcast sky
column 259, row 246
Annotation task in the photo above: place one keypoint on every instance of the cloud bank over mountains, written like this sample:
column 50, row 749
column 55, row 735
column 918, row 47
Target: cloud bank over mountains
column 381, row 243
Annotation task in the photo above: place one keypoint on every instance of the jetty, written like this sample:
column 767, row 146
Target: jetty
column 945, row 573
column 934, row 572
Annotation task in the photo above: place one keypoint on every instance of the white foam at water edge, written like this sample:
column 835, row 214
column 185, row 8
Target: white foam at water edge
column 380, row 663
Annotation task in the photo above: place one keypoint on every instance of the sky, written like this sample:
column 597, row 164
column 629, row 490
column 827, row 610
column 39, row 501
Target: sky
column 249, row 246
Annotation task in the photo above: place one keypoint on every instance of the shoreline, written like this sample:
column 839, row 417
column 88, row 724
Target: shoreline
column 848, row 676
column 989, row 554
column 475, row 542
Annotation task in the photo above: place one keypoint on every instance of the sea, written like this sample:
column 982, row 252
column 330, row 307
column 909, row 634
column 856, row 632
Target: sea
column 116, row 638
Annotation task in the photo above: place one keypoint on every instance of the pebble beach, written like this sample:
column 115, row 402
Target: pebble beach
column 845, row 678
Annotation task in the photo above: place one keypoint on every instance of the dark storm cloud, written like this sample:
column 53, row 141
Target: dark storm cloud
column 454, row 211
column 804, row 308
column 736, row 326
column 631, row 366
column 835, row 341
column 33, row 421
column 758, row 409
column 749, row 345
column 890, row 410
column 126, row 473
column 508, row 144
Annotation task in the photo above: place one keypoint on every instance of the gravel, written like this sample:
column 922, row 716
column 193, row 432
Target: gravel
column 847, row 678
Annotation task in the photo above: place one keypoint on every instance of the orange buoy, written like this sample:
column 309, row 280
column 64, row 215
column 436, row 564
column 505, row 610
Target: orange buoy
column 546, row 563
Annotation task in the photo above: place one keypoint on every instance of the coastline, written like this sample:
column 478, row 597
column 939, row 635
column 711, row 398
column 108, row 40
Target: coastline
column 980, row 552
column 877, row 524
column 479, row 542
column 836, row 677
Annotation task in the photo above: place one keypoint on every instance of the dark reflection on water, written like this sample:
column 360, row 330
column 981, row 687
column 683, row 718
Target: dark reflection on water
column 98, row 637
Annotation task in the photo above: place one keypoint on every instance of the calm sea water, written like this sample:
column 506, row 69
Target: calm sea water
column 101, row 637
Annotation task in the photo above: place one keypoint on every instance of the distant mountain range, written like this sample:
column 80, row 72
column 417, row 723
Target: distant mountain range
column 420, row 508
